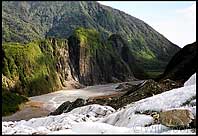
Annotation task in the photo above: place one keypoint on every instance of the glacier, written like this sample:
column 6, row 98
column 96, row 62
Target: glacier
column 98, row 119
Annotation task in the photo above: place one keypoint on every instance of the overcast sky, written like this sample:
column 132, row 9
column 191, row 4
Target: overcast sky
column 175, row 20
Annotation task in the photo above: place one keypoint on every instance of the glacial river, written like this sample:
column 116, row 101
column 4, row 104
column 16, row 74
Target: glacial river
column 42, row 105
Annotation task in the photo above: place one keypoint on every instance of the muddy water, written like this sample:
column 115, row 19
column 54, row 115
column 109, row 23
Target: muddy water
column 42, row 105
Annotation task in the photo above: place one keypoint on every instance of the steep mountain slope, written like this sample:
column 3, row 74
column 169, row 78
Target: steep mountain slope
column 182, row 65
column 25, row 21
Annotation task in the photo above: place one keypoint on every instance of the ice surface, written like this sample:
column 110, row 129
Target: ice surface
column 191, row 81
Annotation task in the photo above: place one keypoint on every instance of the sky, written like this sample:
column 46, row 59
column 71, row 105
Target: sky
column 176, row 20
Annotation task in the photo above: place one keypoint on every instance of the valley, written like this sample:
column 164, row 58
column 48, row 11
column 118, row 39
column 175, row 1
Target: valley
column 85, row 68
column 42, row 105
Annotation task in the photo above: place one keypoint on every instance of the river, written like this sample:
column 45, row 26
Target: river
column 42, row 105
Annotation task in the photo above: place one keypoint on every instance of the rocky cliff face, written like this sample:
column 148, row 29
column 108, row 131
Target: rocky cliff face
column 94, row 61
column 64, row 68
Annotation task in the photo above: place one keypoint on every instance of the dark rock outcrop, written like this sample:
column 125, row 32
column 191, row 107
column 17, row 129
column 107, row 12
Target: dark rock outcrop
column 68, row 106
column 183, row 64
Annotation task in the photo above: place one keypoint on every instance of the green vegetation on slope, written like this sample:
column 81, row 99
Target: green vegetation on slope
column 32, row 65
column 27, row 70
column 10, row 102
column 89, row 38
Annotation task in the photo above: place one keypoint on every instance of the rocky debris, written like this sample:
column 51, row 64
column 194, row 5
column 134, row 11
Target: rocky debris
column 176, row 118
column 150, row 88
column 61, row 108
column 169, row 84
column 133, row 94
column 193, row 102
column 132, row 88
column 126, row 85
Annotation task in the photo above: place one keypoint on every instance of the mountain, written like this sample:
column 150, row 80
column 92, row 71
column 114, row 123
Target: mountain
column 29, row 20
column 183, row 64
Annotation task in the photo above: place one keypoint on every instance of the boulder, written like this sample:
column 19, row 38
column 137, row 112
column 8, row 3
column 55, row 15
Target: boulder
column 77, row 103
column 61, row 108
column 68, row 106
column 176, row 118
